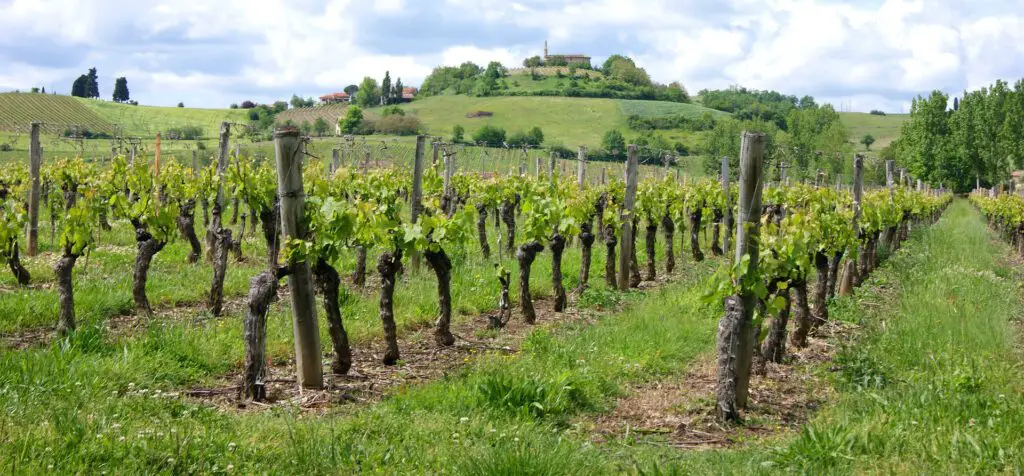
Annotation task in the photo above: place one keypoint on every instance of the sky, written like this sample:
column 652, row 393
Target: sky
column 857, row 55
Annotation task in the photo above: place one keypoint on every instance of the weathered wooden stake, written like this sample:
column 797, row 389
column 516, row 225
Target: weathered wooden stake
column 416, row 197
column 581, row 166
column 335, row 161
column 35, row 162
column 736, row 334
column 551, row 168
column 626, row 235
column 850, row 270
column 293, row 226
column 728, row 205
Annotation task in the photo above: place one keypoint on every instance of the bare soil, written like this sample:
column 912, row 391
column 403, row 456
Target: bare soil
column 680, row 412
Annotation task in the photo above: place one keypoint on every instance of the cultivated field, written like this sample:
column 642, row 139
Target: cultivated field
column 17, row 110
column 884, row 128
column 146, row 121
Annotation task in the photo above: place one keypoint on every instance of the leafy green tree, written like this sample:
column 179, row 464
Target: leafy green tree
column 78, row 89
column 458, row 133
column 614, row 143
column 491, row 136
column 92, row 87
column 495, row 70
column 867, row 140
column 533, row 62
column 535, row 136
column 385, row 89
column 368, row 95
column 181, row 104
column 556, row 60
column 320, row 126
column 396, row 92
column 351, row 90
column 352, row 121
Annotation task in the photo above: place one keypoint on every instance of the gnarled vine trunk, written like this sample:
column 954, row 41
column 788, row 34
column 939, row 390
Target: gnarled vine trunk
column 222, row 246
column 716, row 232
column 508, row 215
column 833, row 273
column 148, row 247
column 587, row 239
column 504, row 303
column 526, row 254
column 634, row 265
column 20, row 273
column 801, row 314
column 610, row 242
column 63, row 270
column 269, row 219
column 820, row 288
column 388, row 265
column 481, row 230
column 695, row 219
column 557, row 247
column 327, row 279
column 668, row 227
column 359, row 275
column 262, row 290
column 649, row 244
column 187, row 228
column 774, row 348
column 442, row 266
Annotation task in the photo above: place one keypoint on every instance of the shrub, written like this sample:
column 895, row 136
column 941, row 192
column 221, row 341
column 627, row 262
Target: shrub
column 562, row 152
column 200, row 145
column 490, row 135
column 184, row 133
column 248, row 104
column 876, row 112
column 399, row 125
column 353, row 119
column 458, row 134
column 535, row 136
column 392, row 110
column 517, row 140
column 5, row 147
column 181, row 104
column 233, row 105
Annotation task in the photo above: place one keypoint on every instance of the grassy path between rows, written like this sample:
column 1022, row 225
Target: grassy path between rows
column 931, row 385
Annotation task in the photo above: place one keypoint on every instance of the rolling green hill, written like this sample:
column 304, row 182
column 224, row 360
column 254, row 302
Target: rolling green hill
column 568, row 121
column 18, row 110
column 146, row 121
column 885, row 129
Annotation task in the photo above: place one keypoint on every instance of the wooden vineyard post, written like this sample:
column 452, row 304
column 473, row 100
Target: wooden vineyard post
column 195, row 163
column 536, row 170
column 156, row 159
column 604, row 171
column 551, row 168
column 289, row 188
column 736, row 334
column 581, row 166
column 728, row 206
column 416, row 197
column 335, row 161
column 626, row 235
column 850, row 270
column 435, row 149
column 35, row 161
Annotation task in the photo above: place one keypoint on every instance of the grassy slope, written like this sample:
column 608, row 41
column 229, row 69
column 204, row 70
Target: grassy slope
column 17, row 110
column 146, row 121
column 884, row 128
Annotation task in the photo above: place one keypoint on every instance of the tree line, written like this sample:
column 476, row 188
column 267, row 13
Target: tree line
column 87, row 86
column 978, row 139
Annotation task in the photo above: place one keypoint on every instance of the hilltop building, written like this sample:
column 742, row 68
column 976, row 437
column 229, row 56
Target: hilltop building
column 334, row 98
column 569, row 58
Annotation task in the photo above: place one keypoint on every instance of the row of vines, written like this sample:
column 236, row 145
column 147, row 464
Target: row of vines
column 805, row 239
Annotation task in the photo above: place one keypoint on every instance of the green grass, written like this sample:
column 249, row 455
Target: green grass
column 146, row 121
column 630, row 107
column 885, row 129
column 930, row 384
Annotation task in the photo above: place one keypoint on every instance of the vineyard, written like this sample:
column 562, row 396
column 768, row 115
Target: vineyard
column 62, row 112
column 201, row 286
